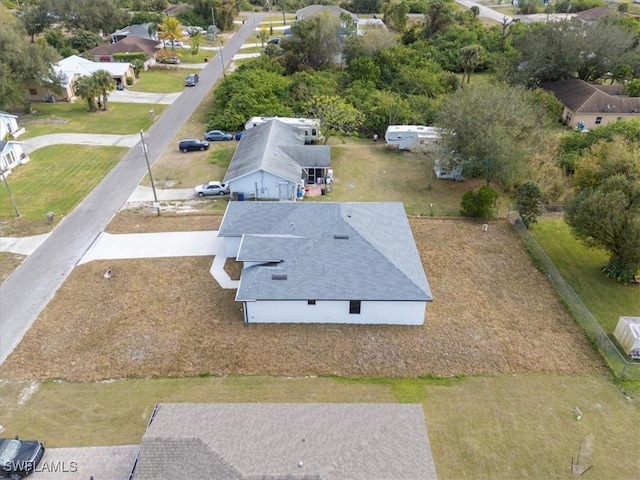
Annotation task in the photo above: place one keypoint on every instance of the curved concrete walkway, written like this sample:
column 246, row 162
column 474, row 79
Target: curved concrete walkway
column 32, row 144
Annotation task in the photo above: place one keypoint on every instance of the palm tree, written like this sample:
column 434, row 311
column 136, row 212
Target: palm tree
column 469, row 61
column 171, row 30
column 86, row 88
column 104, row 83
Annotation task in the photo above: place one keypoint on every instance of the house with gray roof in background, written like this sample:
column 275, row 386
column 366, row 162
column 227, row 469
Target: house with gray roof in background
column 272, row 161
column 593, row 104
column 317, row 262
column 304, row 441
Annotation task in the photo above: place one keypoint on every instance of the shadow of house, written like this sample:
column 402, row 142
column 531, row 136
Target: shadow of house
column 272, row 162
column 592, row 104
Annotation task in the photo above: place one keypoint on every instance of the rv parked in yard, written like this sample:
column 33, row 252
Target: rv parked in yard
column 408, row 137
column 310, row 126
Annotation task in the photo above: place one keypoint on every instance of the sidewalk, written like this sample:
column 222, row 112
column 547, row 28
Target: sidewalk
column 32, row 144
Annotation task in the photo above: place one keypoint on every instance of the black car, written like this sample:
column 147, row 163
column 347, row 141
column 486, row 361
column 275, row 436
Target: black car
column 19, row 458
column 191, row 80
column 193, row 144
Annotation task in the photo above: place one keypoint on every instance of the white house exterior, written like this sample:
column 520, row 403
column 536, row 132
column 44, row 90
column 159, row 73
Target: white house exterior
column 272, row 162
column 11, row 152
column 9, row 126
column 353, row 263
column 407, row 137
column 310, row 126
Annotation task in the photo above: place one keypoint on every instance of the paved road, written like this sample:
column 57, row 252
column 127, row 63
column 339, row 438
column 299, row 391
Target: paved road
column 486, row 11
column 25, row 293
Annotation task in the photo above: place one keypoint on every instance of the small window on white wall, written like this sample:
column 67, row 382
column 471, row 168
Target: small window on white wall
column 311, row 302
column 598, row 120
column 354, row 307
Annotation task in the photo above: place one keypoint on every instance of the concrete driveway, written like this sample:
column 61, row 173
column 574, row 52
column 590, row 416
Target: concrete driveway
column 127, row 96
column 32, row 144
column 103, row 463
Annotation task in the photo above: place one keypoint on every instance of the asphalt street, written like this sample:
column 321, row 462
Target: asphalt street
column 28, row 290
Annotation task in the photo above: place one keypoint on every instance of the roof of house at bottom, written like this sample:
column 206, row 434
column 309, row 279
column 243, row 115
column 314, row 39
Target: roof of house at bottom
column 286, row 441
column 326, row 251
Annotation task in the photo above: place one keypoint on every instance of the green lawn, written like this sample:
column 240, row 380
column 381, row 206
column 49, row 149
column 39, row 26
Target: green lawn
column 503, row 427
column 120, row 119
column 162, row 79
column 56, row 179
column 580, row 267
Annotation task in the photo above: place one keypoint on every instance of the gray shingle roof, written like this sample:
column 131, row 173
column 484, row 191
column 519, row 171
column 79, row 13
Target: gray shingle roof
column 286, row 441
column 277, row 148
column 378, row 260
column 582, row 97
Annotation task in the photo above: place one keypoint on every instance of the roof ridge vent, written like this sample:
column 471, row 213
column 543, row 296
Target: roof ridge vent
column 278, row 276
column 341, row 236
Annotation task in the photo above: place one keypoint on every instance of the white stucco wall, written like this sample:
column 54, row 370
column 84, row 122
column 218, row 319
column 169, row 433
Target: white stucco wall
column 389, row 313
column 231, row 246
column 268, row 186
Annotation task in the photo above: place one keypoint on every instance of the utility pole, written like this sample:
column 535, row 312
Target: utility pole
column 213, row 19
column 156, row 204
column 6, row 184
column 224, row 74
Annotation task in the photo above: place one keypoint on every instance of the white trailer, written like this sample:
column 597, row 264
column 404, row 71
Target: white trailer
column 408, row 137
column 310, row 126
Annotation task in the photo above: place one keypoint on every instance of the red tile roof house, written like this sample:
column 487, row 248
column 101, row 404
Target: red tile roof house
column 591, row 103
column 269, row 441
column 130, row 44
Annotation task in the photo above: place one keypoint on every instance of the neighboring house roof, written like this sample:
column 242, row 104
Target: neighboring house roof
column 6, row 114
column 138, row 30
column 305, row 441
column 127, row 45
column 8, row 145
column 306, row 12
column 74, row 65
column 276, row 148
column 593, row 14
column 326, row 251
column 582, row 97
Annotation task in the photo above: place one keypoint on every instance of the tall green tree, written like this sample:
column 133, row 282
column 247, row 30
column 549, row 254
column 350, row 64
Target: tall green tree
column 314, row 43
column 35, row 17
column 439, row 17
column 92, row 15
column 528, row 198
column 605, row 213
column 492, row 130
column 337, row 117
column 22, row 62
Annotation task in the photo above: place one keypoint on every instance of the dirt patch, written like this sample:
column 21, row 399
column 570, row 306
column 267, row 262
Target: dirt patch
column 8, row 264
column 493, row 312
column 134, row 222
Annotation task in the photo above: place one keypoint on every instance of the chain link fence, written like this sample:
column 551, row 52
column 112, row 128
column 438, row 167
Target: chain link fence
column 619, row 364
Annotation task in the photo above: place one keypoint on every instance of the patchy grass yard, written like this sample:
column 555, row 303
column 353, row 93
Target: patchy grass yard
column 495, row 427
column 580, row 267
column 493, row 313
column 56, row 179
column 120, row 119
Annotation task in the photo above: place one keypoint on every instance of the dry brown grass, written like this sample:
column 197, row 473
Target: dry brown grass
column 8, row 263
column 493, row 313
